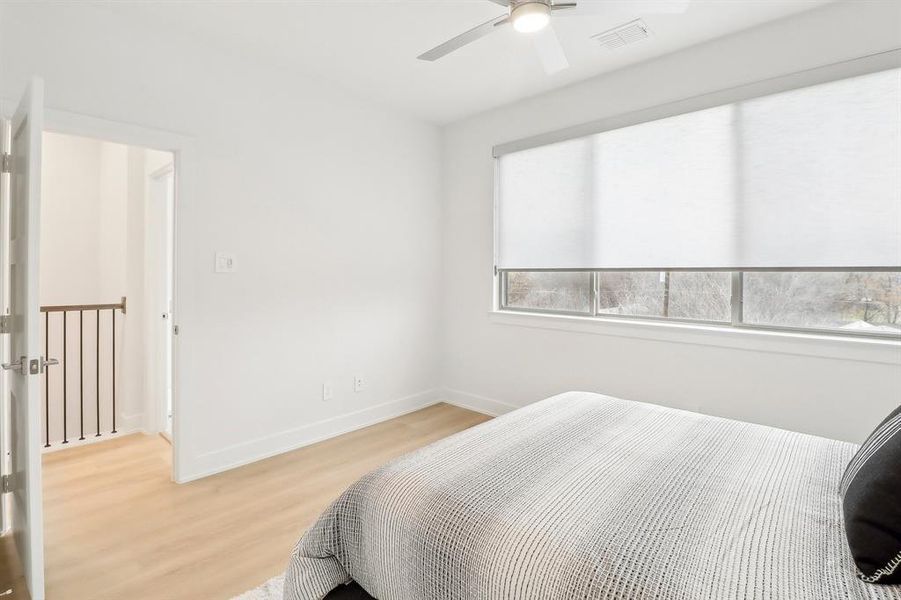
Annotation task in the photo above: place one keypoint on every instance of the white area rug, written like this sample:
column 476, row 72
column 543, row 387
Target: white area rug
column 271, row 590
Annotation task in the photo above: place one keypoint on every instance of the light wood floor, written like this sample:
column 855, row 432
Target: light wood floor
column 117, row 528
column 12, row 583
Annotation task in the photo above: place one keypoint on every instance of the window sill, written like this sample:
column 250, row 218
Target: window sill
column 782, row 342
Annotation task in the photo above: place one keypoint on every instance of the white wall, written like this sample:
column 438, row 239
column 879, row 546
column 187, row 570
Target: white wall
column 70, row 222
column 113, row 216
column 330, row 203
column 495, row 365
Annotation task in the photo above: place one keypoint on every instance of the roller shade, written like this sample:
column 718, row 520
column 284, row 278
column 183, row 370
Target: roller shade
column 804, row 178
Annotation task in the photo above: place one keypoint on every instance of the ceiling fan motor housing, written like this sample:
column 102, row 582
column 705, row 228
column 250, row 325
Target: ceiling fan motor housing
column 530, row 15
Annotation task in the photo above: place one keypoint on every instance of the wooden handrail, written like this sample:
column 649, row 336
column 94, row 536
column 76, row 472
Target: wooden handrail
column 76, row 307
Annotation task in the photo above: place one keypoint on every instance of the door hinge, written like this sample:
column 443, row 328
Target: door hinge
column 7, row 482
column 175, row 329
column 6, row 165
column 5, row 324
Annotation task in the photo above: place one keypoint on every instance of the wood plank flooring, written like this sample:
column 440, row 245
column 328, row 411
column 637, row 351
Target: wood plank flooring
column 118, row 529
column 12, row 582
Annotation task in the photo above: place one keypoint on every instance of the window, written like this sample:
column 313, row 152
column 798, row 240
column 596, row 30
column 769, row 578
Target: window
column 860, row 302
column 555, row 292
column 676, row 295
column 863, row 302
column 775, row 211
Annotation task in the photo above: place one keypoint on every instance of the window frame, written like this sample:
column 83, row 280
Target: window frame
column 736, row 301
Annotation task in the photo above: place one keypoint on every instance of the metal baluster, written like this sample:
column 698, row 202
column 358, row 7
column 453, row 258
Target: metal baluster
column 98, row 372
column 113, row 312
column 46, row 381
column 81, row 373
column 65, row 409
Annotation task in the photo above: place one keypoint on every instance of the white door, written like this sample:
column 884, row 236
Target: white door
column 26, row 362
column 158, row 286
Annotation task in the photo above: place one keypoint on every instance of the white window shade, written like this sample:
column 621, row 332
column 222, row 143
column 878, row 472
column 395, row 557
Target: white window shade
column 546, row 207
column 805, row 178
column 821, row 173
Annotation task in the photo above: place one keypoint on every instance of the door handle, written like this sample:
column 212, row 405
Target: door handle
column 18, row 367
column 32, row 367
column 37, row 366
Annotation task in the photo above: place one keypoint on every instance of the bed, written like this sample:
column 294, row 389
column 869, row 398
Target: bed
column 588, row 496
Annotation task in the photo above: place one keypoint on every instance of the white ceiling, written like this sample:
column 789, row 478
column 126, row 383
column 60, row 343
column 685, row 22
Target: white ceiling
column 370, row 47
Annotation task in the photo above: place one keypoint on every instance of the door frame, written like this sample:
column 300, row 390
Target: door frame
column 182, row 148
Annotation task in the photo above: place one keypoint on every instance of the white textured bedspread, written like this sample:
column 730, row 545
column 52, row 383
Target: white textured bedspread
column 590, row 497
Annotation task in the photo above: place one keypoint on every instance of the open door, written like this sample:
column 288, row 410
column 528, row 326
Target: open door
column 158, row 287
column 22, row 162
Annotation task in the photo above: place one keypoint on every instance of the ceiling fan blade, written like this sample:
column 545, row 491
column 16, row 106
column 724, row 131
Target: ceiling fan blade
column 550, row 52
column 463, row 39
column 501, row 2
column 638, row 7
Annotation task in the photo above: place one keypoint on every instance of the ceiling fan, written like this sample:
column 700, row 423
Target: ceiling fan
column 533, row 17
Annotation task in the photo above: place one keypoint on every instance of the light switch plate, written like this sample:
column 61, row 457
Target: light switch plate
column 225, row 262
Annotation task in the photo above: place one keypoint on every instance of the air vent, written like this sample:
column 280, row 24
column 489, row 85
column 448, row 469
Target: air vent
column 624, row 34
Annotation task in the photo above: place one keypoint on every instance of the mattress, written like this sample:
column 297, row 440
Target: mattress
column 591, row 497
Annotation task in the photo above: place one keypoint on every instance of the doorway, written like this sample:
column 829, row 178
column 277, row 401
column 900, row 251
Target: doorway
column 106, row 271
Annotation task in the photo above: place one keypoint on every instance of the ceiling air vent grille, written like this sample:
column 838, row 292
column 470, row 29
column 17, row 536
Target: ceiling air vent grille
column 624, row 34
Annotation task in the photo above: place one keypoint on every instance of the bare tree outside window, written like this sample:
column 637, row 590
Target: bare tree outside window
column 863, row 302
column 677, row 295
column 559, row 292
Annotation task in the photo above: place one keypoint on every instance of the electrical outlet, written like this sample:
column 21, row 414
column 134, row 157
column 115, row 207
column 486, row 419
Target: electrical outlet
column 359, row 383
column 328, row 392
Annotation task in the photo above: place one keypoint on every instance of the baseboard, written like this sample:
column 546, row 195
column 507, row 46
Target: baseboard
column 251, row 451
column 132, row 422
column 481, row 404
column 89, row 439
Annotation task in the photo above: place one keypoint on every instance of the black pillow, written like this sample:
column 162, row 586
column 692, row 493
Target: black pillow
column 871, row 501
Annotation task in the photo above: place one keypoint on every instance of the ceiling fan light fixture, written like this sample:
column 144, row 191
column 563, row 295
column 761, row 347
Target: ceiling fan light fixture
column 530, row 17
